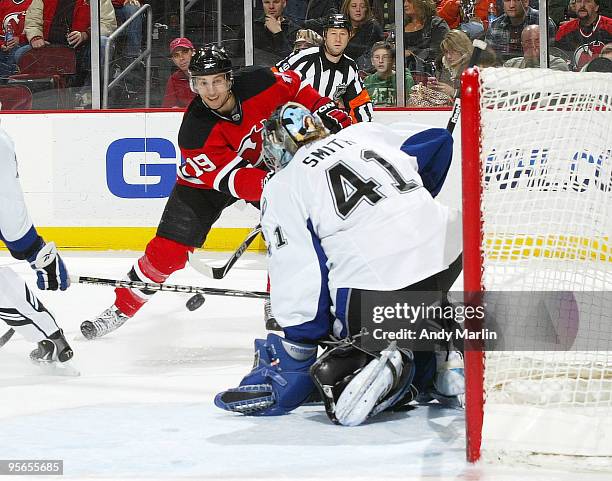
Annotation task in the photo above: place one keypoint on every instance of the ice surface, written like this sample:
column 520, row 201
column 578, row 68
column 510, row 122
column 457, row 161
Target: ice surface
column 142, row 407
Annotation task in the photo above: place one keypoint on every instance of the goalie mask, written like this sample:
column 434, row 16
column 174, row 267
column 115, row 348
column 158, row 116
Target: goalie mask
column 289, row 128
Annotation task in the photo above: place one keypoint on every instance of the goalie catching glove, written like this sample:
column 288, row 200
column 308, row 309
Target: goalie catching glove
column 50, row 270
column 333, row 117
column 278, row 383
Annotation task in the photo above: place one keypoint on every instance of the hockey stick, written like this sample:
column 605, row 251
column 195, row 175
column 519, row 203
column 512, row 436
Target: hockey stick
column 211, row 291
column 221, row 271
column 6, row 336
column 479, row 47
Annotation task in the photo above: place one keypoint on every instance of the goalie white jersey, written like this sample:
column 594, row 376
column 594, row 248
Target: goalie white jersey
column 351, row 211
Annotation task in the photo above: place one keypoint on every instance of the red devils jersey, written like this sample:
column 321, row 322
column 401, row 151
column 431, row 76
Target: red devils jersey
column 583, row 45
column 12, row 12
column 225, row 153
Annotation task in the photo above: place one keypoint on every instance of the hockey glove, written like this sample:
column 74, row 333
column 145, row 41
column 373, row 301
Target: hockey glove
column 334, row 118
column 50, row 269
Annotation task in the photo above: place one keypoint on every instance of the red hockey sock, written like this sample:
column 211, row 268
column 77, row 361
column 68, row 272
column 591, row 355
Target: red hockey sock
column 162, row 257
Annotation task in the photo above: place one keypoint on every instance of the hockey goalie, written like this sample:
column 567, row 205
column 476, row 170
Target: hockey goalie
column 347, row 214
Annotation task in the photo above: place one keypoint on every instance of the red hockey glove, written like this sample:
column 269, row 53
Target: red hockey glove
column 333, row 117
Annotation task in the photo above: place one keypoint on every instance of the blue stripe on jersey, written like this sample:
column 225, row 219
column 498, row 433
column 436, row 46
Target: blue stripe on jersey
column 342, row 296
column 319, row 327
column 21, row 245
column 433, row 149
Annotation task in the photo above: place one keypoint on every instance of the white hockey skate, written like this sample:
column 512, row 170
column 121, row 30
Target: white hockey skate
column 53, row 355
column 271, row 324
column 449, row 381
column 110, row 320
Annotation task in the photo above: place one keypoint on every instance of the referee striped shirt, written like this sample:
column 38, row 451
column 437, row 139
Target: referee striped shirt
column 339, row 81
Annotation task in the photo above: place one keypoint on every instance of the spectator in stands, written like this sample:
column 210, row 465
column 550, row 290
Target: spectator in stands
column 273, row 33
column 607, row 51
column 366, row 31
column 322, row 8
column 456, row 51
column 585, row 37
column 12, row 21
column 423, row 33
column 452, row 13
column 306, row 38
column 124, row 9
column 67, row 23
column 178, row 91
column 504, row 35
column 530, row 41
column 381, row 85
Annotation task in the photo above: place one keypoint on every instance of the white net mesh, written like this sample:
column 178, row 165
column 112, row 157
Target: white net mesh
column 547, row 222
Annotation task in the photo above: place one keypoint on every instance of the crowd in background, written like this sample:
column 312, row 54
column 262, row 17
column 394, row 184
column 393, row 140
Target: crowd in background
column 437, row 42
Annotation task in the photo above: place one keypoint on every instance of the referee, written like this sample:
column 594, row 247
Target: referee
column 331, row 72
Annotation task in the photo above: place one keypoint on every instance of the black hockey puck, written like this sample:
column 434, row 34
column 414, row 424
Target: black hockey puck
column 195, row 302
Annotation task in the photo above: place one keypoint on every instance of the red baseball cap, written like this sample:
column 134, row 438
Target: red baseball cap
column 180, row 42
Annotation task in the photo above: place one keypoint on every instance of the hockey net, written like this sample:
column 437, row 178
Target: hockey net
column 537, row 207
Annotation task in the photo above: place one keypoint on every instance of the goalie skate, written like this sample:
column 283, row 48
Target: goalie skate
column 110, row 320
column 271, row 324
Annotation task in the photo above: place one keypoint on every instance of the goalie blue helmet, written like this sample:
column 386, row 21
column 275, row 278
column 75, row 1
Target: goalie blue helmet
column 289, row 128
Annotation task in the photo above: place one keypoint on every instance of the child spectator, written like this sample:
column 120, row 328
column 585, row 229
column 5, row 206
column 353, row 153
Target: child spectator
column 178, row 91
column 381, row 85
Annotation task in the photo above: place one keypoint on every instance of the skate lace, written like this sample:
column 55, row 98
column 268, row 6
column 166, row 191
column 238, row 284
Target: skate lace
column 108, row 321
column 268, row 309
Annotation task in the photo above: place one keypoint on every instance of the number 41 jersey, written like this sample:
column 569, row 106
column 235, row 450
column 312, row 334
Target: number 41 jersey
column 351, row 211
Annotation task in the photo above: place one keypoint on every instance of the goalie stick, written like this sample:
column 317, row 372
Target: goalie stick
column 211, row 291
column 479, row 46
column 221, row 271
column 6, row 336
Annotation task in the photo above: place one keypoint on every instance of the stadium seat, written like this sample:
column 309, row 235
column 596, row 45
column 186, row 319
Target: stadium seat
column 48, row 67
column 15, row 97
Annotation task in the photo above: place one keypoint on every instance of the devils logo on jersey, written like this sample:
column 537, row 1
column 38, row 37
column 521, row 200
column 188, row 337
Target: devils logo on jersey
column 13, row 14
column 250, row 145
column 587, row 52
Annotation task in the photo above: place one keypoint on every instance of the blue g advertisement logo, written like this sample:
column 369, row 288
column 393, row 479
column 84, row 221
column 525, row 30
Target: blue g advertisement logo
column 163, row 175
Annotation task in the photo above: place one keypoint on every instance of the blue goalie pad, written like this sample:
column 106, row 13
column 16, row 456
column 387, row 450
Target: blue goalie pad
column 279, row 382
column 433, row 149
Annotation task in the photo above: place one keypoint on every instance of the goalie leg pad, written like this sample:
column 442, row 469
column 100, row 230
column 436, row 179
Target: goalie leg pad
column 279, row 382
column 356, row 385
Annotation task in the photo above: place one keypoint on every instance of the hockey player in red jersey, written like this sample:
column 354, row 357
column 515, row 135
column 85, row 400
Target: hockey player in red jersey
column 221, row 141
